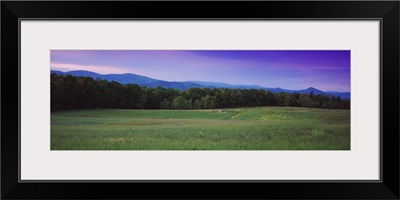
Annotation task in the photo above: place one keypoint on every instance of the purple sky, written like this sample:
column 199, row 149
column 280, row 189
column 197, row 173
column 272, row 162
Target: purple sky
column 298, row 69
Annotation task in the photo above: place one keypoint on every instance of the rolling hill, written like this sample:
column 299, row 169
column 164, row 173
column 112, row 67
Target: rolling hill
column 150, row 82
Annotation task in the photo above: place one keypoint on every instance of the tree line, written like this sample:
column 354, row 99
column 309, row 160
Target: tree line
column 70, row 92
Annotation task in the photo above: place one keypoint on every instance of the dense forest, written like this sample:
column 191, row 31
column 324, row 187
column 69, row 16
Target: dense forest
column 70, row 92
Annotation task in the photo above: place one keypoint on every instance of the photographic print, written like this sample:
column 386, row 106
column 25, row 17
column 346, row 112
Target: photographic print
column 200, row 99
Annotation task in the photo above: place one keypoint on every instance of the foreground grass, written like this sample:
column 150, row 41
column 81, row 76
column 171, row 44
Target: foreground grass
column 262, row 128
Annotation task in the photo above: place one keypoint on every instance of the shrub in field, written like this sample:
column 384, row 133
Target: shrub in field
column 317, row 132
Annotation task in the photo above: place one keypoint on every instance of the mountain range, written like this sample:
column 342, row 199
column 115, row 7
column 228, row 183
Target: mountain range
column 150, row 82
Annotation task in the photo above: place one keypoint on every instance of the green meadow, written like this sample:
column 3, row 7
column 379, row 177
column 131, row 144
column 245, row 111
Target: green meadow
column 260, row 128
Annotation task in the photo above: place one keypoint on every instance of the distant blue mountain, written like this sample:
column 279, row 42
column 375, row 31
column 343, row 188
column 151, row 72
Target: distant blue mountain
column 128, row 78
column 276, row 90
column 120, row 78
column 309, row 90
column 343, row 95
column 166, row 84
column 224, row 85
column 84, row 73
column 150, row 82
column 56, row 72
column 189, row 84
column 211, row 84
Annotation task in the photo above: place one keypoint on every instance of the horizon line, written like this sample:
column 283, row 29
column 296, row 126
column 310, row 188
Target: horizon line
column 262, row 87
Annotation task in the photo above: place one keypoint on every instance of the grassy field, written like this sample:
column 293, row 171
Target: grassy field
column 262, row 128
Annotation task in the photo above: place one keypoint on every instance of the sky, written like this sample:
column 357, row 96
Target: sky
column 289, row 69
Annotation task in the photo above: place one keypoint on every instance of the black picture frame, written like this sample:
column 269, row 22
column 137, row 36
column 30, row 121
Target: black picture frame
column 386, row 11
